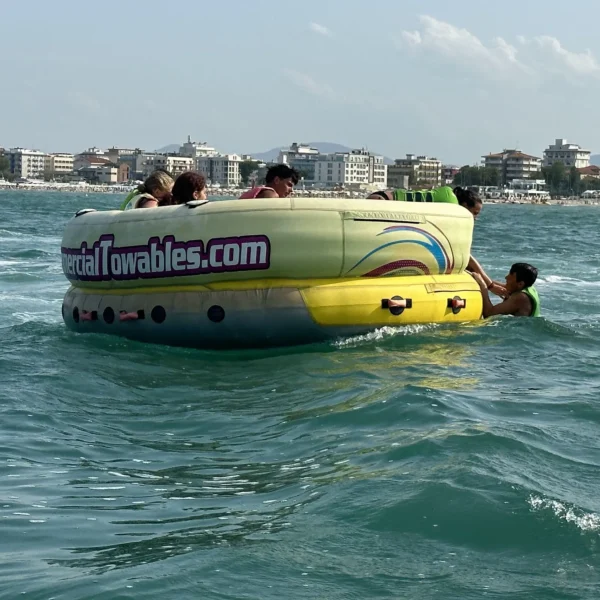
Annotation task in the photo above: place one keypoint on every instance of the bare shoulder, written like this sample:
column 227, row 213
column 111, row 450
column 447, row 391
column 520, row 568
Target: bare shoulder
column 268, row 193
column 523, row 304
column 381, row 195
column 148, row 203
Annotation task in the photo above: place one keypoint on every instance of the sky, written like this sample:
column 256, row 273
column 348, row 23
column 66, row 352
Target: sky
column 454, row 80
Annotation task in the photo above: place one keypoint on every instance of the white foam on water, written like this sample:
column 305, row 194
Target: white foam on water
column 583, row 520
column 5, row 263
column 383, row 333
column 569, row 281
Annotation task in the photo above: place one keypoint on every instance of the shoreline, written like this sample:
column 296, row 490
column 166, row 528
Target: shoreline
column 235, row 192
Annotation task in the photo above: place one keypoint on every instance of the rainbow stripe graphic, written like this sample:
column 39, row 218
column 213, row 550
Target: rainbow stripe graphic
column 443, row 261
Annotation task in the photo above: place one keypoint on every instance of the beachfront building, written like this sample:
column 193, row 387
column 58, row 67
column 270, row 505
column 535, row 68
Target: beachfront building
column 420, row 170
column 222, row 170
column 396, row 180
column 303, row 158
column 538, row 185
column 530, row 188
column 123, row 172
column 197, row 149
column 173, row 163
column 59, row 164
column 96, row 172
column 571, row 155
column 90, row 156
column 355, row 169
column 89, row 161
column 27, row 164
column 127, row 161
column 591, row 172
column 142, row 164
column 513, row 164
column 117, row 155
column 449, row 172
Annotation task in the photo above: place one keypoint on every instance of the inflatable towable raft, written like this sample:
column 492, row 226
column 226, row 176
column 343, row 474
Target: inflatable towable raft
column 267, row 272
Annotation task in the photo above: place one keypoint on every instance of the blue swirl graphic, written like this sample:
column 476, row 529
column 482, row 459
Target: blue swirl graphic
column 431, row 244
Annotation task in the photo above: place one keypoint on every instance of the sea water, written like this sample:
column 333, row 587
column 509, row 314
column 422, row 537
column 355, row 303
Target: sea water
column 454, row 461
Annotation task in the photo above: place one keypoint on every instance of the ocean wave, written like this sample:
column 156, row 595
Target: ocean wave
column 10, row 233
column 10, row 262
column 585, row 521
column 572, row 281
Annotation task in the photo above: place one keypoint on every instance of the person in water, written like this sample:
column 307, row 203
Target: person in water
column 473, row 203
column 189, row 186
column 155, row 191
column 522, row 299
column 279, row 183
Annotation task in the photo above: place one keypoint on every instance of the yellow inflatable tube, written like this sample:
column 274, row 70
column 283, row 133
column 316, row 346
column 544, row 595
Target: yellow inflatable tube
column 267, row 272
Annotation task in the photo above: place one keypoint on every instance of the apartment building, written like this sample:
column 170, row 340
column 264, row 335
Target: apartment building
column 354, row 169
column 197, row 149
column 571, row 155
column 27, row 164
column 420, row 170
column 59, row 163
column 303, row 158
column 223, row 170
column 173, row 163
column 513, row 164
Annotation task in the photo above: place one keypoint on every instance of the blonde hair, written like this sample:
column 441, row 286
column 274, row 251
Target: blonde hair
column 159, row 181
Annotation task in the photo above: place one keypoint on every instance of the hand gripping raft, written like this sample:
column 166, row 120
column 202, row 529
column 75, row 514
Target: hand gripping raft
column 267, row 272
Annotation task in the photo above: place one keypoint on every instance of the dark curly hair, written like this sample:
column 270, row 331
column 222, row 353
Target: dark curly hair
column 185, row 186
column 467, row 198
column 283, row 172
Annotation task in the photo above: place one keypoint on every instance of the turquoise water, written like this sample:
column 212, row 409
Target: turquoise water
column 429, row 462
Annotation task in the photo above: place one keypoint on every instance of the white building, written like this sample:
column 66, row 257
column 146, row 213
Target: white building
column 420, row 170
column 571, row 155
column 197, row 149
column 59, row 163
column 173, row 163
column 301, row 157
column 356, row 169
column 223, row 170
column 28, row 164
column 537, row 185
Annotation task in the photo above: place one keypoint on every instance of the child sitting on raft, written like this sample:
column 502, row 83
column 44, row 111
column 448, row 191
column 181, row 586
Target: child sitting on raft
column 152, row 193
column 189, row 186
column 279, row 183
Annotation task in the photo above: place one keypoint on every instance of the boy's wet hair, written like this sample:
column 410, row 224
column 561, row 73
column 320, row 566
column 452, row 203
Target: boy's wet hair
column 524, row 272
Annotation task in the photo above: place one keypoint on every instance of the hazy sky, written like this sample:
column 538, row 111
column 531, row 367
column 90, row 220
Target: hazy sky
column 451, row 79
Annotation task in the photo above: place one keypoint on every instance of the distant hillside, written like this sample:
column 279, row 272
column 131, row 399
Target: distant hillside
column 323, row 147
column 595, row 160
column 169, row 148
